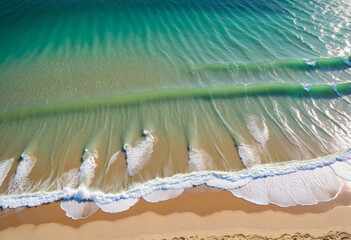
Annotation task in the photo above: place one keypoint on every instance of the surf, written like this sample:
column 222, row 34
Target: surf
column 319, row 179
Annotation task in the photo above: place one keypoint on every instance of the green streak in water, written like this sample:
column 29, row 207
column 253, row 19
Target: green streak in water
column 254, row 90
column 297, row 64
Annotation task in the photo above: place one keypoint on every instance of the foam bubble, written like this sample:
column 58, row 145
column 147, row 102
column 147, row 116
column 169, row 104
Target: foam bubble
column 139, row 156
column 19, row 183
column 162, row 195
column 78, row 210
column 307, row 87
column 312, row 63
column 5, row 167
column 248, row 157
column 199, row 160
column 87, row 168
column 260, row 135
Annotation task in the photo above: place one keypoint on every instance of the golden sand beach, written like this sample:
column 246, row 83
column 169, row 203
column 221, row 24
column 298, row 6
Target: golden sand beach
column 205, row 215
column 175, row 119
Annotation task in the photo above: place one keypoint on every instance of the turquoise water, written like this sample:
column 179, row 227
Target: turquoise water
column 54, row 51
column 110, row 95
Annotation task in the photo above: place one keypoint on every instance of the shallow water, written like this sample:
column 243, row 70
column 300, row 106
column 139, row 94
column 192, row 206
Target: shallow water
column 118, row 97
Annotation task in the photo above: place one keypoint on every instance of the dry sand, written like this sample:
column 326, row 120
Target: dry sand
column 205, row 214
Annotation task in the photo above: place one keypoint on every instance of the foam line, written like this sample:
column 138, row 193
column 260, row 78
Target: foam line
column 284, row 184
column 248, row 156
column 87, row 168
column 295, row 64
column 5, row 167
column 139, row 155
column 19, row 183
column 112, row 160
column 252, row 90
column 199, row 160
column 227, row 184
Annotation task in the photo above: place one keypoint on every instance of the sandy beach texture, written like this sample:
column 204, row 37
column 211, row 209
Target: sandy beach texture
column 206, row 215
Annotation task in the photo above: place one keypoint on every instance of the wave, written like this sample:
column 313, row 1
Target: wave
column 19, row 183
column 139, row 156
column 5, row 167
column 335, row 63
column 87, row 169
column 247, row 90
column 199, row 160
column 289, row 184
column 248, row 157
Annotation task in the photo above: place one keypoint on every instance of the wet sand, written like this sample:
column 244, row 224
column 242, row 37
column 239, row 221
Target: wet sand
column 202, row 215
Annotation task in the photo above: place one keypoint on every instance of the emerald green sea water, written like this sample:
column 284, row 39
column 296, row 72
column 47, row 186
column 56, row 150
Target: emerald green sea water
column 112, row 94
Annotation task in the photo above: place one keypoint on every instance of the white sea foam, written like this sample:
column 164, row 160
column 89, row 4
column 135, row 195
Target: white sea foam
column 305, row 188
column 5, row 167
column 342, row 169
column 20, row 183
column 139, row 156
column 118, row 206
column 248, row 157
column 78, row 210
column 307, row 87
column 312, row 63
column 261, row 135
column 227, row 184
column 199, row 160
column 69, row 179
column 347, row 61
column 112, row 160
column 82, row 179
column 295, row 182
column 87, row 168
column 162, row 195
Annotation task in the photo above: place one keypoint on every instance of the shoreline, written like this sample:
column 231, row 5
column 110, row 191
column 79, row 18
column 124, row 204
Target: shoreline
column 204, row 214
column 334, row 166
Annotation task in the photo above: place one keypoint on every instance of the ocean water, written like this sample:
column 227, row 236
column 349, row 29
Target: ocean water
column 104, row 102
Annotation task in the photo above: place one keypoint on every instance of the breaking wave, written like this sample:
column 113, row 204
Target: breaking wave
column 289, row 184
